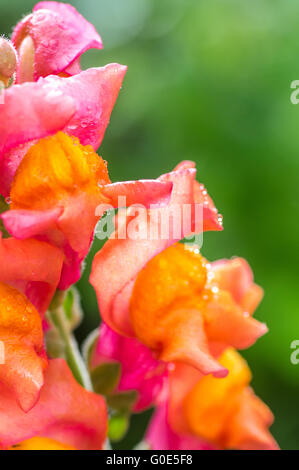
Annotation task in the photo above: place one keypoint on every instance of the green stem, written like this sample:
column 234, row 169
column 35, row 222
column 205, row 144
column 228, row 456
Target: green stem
column 72, row 353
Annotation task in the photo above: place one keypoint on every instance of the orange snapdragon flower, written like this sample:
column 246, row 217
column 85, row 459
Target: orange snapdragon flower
column 185, row 310
column 225, row 413
column 29, row 274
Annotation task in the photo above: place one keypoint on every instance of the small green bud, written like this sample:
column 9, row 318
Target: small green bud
column 118, row 426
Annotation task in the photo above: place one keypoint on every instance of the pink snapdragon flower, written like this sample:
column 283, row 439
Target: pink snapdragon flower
column 79, row 106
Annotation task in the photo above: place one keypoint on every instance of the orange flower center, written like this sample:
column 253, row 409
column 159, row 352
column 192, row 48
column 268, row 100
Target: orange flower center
column 55, row 168
column 172, row 279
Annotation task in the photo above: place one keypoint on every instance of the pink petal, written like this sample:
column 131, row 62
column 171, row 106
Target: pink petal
column 60, row 36
column 160, row 436
column 142, row 192
column 71, row 269
column 22, row 224
column 94, row 91
column 65, row 412
column 32, row 111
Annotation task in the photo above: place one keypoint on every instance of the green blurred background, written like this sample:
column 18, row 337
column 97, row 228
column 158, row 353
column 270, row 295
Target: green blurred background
column 209, row 80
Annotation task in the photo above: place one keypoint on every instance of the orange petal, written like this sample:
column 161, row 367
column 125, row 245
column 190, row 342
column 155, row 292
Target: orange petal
column 226, row 322
column 235, row 276
column 186, row 342
column 21, row 335
column 249, row 427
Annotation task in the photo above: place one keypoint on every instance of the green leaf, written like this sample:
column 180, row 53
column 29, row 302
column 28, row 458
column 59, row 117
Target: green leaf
column 122, row 401
column 105, row 377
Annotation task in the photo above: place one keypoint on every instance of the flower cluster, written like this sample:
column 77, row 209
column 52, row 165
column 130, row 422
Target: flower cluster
column 172, row 322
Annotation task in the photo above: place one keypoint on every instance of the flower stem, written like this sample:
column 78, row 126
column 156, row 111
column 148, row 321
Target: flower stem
column 72, row 353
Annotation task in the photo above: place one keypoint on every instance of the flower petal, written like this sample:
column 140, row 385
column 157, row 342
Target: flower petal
column 160, row 436
column 236, row 276
column 95, row 91
column 65, row 412
column 22, row 224
column 21, row 336
column 33, row 266
column 142, row 192
column 32, row 111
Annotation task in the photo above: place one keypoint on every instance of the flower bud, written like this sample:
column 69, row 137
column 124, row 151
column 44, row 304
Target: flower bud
column 8, row 60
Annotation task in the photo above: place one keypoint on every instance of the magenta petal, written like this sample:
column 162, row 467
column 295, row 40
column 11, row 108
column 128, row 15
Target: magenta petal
column 71, row 269
column 142, row 192
column 140, row 371
column 60, row 36
column 22, row 224
column 32, row 111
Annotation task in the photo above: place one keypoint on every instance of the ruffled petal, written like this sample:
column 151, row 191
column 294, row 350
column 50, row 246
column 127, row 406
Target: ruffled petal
column 60, row 36
column 223, row 412
column 236, row 277
column 228, row 324
column 249, row 427
column 65, row 412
